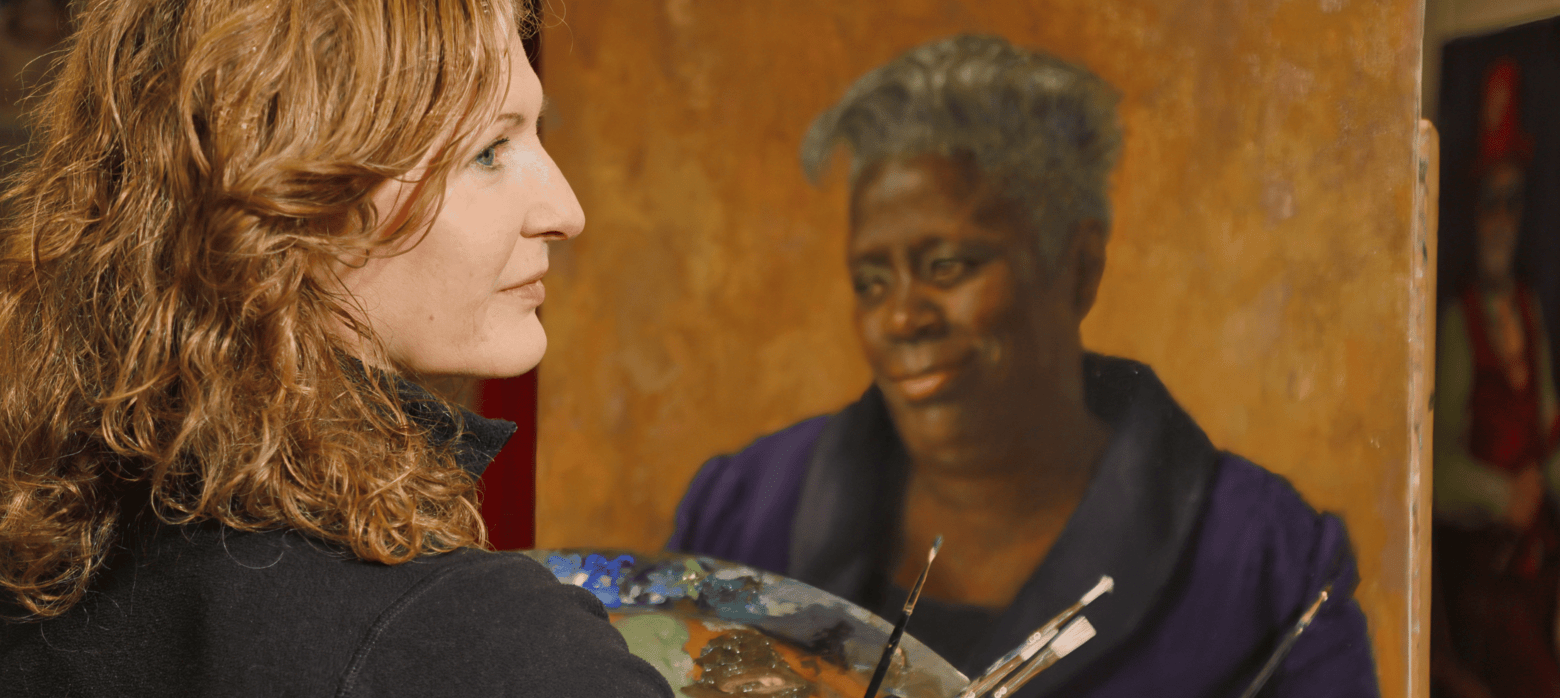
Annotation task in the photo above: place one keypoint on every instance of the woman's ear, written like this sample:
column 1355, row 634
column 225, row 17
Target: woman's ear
column 1087, row 255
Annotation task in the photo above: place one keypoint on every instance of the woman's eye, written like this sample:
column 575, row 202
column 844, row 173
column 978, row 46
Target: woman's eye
column 488, row 158
column 866, row 288
column 944, row 270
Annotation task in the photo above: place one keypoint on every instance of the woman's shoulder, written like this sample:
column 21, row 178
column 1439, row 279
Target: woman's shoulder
column 281, row 582
column 1262, row 557
column 277, row 612
column 1250, row 496
column 773, row 462
column 1256, row 523
column 481, row 623
column 793, row 442
column 303, row 576
column 465, row 622
column 739, row 505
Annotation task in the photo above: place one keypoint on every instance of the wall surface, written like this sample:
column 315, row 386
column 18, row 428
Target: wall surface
column 1264, row 258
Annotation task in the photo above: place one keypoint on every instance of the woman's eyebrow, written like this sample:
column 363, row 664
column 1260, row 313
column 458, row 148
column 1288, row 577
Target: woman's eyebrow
column 517, row 119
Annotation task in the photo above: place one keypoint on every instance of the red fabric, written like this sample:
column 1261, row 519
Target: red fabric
column 1500, row 128
column 1500, row 584
column 1496, row 623
column 1504, row 428
column 509, row 483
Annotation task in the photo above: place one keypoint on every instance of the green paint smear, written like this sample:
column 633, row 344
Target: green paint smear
column 659, row 640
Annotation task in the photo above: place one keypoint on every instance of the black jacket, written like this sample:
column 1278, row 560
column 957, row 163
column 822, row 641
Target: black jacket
column 209, row 611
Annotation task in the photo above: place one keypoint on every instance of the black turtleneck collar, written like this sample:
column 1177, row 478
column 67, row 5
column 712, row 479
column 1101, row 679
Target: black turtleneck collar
column 476, row 439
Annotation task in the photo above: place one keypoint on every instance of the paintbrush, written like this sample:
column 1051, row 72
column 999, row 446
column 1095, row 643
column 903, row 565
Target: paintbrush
column 1036, row 641
column 1288, row 643
column 904, row 619
column 1070, row 638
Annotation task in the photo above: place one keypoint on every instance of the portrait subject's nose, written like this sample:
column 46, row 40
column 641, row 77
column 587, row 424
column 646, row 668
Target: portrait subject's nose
column 911, row 313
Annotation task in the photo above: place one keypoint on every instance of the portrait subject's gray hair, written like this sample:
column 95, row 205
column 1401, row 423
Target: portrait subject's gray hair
column 1042, row 130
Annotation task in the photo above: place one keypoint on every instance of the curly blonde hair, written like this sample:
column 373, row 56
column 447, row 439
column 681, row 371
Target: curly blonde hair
column 169, row 324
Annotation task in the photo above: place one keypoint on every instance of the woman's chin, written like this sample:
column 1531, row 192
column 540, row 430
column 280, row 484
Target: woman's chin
column 513, row 349
column 518, row 356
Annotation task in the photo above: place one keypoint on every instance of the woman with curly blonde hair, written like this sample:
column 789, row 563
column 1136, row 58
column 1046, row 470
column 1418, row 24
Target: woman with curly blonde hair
column 244, row 230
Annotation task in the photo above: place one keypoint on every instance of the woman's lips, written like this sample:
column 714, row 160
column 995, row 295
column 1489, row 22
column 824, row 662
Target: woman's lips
column 924, row 385
column 532, row 293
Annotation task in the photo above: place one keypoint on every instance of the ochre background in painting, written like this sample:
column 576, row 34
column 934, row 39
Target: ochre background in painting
column 1260, row 262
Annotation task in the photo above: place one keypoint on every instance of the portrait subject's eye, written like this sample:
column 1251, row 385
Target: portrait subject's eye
column 868, row 287
column 948, row 270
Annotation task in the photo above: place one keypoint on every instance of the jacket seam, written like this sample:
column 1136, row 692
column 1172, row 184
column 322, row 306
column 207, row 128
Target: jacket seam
column 360, row 657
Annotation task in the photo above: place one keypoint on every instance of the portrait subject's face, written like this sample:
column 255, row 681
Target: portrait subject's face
column 1499, row 219
column 959, row 320
column 463, row 300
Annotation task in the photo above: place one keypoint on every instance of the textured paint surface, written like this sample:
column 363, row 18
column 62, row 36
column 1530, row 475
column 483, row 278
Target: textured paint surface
column 659, row 640
column 1261, row 258
column 825, row 639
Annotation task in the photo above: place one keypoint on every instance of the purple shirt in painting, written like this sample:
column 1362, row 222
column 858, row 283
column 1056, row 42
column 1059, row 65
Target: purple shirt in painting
column 1214, row 558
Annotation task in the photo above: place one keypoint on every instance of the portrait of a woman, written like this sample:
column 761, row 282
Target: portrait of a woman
column 979, row 216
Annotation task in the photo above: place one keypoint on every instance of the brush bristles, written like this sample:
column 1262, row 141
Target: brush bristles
column 1105, row 586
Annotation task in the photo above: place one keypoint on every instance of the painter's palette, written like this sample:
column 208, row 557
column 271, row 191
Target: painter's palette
column 715, row 628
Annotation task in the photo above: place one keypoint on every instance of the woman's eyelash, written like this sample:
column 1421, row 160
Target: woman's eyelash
column 488, row 158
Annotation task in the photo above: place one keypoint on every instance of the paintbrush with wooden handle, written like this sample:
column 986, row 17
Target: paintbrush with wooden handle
column 1036, row 641
column 1070, row 638
column 1287, row 644
column 904, row 619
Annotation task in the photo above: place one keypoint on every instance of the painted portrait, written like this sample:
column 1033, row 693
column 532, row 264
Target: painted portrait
column 1497, row 465
column 1134, row 289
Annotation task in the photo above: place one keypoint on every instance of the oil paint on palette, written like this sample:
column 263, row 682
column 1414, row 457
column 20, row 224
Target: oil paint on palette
column 715, row 628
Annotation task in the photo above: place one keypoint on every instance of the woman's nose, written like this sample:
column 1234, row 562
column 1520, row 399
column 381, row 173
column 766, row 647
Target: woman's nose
column 912, row 313
column 559, row 216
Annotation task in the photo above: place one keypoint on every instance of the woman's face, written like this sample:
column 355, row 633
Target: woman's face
column 463, row 299
column 960, row 321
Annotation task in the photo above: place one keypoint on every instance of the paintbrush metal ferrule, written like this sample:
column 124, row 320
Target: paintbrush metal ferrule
column 1036, row 641
column 1288, row 643
column 1070, row 638
column 915, row 592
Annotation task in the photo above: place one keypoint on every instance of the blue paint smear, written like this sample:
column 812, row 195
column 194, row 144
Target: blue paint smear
column 675, row 581
column 602, row 576
column 563, row 567
column 733, row 599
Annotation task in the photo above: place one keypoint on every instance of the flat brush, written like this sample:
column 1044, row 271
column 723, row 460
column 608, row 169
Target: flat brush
column 904, row 619
column 1036, row 641
column 1074, row 635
